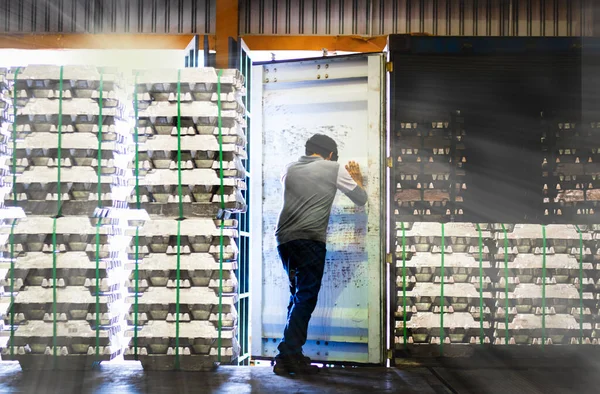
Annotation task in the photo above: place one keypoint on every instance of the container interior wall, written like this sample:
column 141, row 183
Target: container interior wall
column 339, row 97
column 494, row 185
column 507, row 104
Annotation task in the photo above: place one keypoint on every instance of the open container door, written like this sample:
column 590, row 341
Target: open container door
column 342, row 97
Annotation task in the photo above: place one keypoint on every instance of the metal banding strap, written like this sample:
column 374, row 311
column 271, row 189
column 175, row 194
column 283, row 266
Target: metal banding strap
column 580, row 284
column 404, row 285
column 12, row 227
column 100, row 123
column 442, row 273
column 543, row 286
column 54, row 252
column 222, row 193
column 481, row 310
column 59, row 153
column 99, row 205
column 97, row 287
column 177, row 295
column 506, row 303
column 179, row 219
column 137, row 230
column 58, row 214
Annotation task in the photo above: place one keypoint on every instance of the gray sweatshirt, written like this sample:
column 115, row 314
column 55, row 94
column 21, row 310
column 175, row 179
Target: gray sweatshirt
column 309, row 187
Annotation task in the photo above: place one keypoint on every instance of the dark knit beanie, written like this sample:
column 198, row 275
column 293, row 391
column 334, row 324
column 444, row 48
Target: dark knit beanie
column 322, row 145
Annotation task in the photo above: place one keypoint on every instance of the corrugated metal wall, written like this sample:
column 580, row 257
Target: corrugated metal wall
column 438, row 17
column 320, row 17
column 108, row 16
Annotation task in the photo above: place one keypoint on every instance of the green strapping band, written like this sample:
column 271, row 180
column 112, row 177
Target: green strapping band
column 580, row 284
column 12, row 227
column 137, row 230
column 59, row 155
column 222, row 192
column 481, row 332
column 506, row 311
column 100, row 123
column 179, row 178
column 58, row 214
column 99, row 190
column 404, row 285
column 177, row 300
column 12, row 289
column 180, row 194
column 136, row 296
column 543, row 286
column 442, row 294
column 54, row 252
column 98, row 287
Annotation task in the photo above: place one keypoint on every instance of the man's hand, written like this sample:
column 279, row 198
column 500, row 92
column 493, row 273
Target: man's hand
column 354, row 170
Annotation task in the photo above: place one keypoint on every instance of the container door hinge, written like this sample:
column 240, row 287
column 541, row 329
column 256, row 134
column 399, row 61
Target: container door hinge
column 389, row 67
column 389, row 258
column 390, row 162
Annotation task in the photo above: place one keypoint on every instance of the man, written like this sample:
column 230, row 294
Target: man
column 309, row 188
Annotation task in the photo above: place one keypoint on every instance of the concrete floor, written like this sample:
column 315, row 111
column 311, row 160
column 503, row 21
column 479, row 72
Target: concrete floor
column 411, row 378
column 131, row 378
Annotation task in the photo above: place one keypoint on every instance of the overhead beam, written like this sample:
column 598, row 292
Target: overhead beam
column 226, row 26
column 316, row 43
column 99, row 41
column 171, row 41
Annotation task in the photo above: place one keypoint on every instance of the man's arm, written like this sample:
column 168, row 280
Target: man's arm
column 350, row 182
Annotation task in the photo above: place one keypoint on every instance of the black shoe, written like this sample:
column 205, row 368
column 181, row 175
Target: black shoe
column 294, row 365
column 304, row 359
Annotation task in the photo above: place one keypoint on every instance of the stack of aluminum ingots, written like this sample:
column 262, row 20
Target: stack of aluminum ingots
column 546, row 289
column 429, row 171
column 501, row 284
column 9, row 216
column 443, row 285
column 190, row 129
column 73, row 162
column 571, row 173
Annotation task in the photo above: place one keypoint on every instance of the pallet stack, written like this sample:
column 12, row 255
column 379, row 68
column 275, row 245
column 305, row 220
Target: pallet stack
column 429, row 171
column 539, row 286
column 9, row 216
column 571, row 171
column 72, row 163
column 546, row 288
column 190, row 125
column 442, row 282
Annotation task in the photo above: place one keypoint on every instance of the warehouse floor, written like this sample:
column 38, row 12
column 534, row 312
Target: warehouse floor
column 447, row 377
